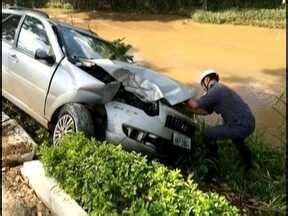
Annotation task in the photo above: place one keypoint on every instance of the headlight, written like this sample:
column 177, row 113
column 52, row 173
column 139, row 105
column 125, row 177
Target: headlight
column 151, row 109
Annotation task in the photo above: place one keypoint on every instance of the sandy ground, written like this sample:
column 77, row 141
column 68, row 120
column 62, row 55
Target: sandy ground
column 18, row 199
column 250, row 59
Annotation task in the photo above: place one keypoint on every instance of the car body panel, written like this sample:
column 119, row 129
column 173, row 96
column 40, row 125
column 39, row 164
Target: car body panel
column 84, row 88
column 5, row 73
column 26, row 80
column 71, row 84
column 154, row 125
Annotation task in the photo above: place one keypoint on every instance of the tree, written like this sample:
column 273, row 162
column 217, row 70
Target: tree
column 205, row 5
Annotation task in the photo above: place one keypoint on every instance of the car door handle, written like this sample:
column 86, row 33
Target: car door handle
column 14, row 58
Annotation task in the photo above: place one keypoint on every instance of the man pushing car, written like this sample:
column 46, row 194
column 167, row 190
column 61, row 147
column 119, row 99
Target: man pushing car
column 239, row 122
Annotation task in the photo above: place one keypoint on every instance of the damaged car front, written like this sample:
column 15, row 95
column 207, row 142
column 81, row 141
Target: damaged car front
column 130, row 104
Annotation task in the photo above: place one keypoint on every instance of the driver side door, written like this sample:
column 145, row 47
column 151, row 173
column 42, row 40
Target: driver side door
column 31, row 76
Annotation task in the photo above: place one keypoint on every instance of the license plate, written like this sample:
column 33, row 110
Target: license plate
column 181, row 140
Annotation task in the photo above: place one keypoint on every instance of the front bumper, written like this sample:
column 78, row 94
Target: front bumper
column 136, row 130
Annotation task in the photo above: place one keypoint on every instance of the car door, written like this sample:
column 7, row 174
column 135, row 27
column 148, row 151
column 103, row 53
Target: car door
column 9, row 29
column 32, row 76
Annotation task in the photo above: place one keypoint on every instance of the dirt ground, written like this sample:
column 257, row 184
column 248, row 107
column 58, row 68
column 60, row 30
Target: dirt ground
column 249, row 59
column 18, row 199
column 14, row 142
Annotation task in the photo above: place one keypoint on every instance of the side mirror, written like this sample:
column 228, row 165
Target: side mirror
column 41, row 54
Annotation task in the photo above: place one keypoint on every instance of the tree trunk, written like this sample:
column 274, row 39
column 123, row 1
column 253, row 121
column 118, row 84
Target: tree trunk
column 205, row 5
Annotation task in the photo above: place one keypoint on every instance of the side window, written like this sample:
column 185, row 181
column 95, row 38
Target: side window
column 9, row 27
column 33, row 36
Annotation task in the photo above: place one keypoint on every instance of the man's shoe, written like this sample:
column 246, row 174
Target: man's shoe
column 251, row 166
column 252, row 171
column 215, row 180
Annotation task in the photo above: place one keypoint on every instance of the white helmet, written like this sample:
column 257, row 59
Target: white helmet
column 207, row 73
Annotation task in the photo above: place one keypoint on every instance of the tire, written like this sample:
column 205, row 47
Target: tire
column 73, row 118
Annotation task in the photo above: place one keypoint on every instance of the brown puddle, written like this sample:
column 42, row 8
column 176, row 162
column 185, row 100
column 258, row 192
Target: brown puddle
column 251, row 60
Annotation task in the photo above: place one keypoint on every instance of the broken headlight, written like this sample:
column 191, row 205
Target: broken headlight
column 150, row 108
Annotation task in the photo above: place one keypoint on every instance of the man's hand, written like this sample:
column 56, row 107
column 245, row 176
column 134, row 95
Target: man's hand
column 194, row 106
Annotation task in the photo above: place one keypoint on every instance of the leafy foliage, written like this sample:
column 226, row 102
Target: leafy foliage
column 117, row 49
column 272, row 18
column 68, row 6
column 121, row 49
column 267, row 182
column 105, row 179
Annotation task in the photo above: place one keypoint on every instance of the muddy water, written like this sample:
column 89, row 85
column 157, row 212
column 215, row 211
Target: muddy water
column 251, row 60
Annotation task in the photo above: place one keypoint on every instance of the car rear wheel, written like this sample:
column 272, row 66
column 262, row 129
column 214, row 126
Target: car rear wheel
column 73, row 118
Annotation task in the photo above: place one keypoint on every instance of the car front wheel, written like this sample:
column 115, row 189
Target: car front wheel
column 73, row 118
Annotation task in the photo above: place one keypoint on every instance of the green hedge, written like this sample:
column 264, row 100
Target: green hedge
column 105, row 179
column 149, row 5
column 272, row 18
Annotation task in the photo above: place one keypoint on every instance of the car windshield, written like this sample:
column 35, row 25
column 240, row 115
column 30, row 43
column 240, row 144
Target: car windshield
column 80, row 45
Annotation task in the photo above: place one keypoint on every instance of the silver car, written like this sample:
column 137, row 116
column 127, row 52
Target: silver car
column 69, row 80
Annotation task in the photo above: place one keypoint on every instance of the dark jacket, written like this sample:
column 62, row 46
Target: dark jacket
column 227, row 103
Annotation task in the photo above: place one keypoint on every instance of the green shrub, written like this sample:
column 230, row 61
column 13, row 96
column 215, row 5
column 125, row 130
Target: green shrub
column 54, row 4
column 105, row 179
column 121, row 49
column 272, row 18
column 68, row 6
column 265, row 183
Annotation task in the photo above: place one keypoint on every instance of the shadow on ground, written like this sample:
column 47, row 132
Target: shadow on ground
column 118, row 16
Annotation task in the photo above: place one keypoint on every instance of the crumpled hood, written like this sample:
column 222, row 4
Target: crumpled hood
column 145, row 83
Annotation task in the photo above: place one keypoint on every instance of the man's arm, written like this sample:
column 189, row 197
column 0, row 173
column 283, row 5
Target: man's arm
column 194, row 106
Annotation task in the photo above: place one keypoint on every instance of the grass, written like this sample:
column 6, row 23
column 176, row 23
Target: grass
column 267, row 183
column 271, row 18
column 260, row 192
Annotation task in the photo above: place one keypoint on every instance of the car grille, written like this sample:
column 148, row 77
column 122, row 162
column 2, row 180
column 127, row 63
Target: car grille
column 165, row 146
column 180, row 125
